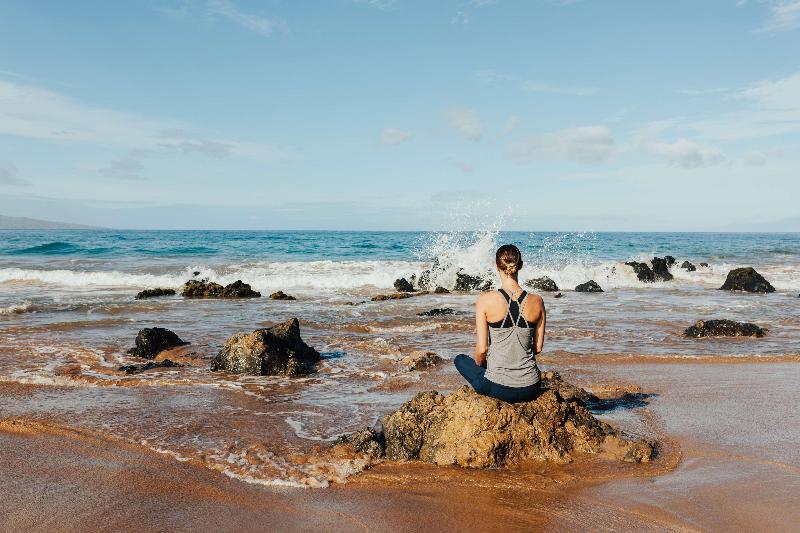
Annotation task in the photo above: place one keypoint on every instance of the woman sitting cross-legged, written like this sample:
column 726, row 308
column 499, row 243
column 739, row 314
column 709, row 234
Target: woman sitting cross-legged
column 510, row 326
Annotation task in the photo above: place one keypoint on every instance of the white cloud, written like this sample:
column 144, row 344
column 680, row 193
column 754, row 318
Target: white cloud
column 465, row 121
column 256, row 23
column 394, row 136
column 782, row 94
column 461, row 18
column 685, row 153
column 784, row 15
column 9, row 174
column 755, row 159
column 32, row 112
column 127, row 168
column 585, row 144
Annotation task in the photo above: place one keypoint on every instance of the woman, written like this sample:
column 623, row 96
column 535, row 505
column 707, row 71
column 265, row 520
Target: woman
column 510, row 324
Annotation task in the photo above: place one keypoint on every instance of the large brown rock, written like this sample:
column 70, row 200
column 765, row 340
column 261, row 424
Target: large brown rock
column 723, row 328
column 544, row 284
column 152, row 341
column 470, row 430
column 202, row 288
column 277, row 350
column 746, row 279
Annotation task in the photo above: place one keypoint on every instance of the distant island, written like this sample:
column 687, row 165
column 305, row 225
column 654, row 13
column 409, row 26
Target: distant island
column 33, row 223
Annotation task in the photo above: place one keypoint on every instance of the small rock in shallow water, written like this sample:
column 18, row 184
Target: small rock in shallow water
column 661, row 268
column 238, row 289
column 277, row 350
column 559, row 295
column 704, row 265
column 136, row 369
column 466, row 283
column 669, row 260
column 746, row 279
column 208, row 289
column 440, row 290
column 395, row 296
column 542, row 284
column 589, row 286
column 152, row 341
column 280, row 295
column 154, row 293
column 420, row 360
column 723, row 328
column 688, row 266
column 643, row 271
column 403, row 285
column 439, row 311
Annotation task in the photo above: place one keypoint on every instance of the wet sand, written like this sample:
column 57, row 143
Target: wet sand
column 734, row 465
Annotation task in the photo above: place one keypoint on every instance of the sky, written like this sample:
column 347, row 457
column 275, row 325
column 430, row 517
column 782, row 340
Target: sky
column 528, row 115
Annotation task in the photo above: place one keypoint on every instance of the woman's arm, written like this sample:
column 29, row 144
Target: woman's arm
column 540, row 325
column 482, row 331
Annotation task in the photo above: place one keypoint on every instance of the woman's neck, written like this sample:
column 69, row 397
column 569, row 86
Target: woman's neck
column 509, row 284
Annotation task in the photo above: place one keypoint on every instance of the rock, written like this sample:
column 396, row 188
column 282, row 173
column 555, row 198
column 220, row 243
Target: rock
column 280, row 295
column 136, row 369
column 470, row 430
column 152, row 341
column 704, row 265
column 424, row 280
column 403, row 285
column 237, row 289
column 723, row 328
column 277, row 350
column 195, row 273
column 439, row 311
column 746, row 279
column 466, row 282
column 669, row 260
column 559, row 295
column 661, row 268
column 642, row 271
column 395, row 296
column 589, row 286
column 154, row 293
column 208, row 289
column 688, row 266
column 421, row 360
column 440, row 290
column 542, row 284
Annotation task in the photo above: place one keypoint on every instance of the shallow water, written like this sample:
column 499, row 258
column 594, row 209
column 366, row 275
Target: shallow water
column 67, row 316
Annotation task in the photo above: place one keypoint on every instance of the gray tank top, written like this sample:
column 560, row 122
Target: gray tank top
column 512, row 359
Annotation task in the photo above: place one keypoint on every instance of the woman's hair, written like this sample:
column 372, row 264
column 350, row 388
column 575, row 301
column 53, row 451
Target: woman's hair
column 508, row 259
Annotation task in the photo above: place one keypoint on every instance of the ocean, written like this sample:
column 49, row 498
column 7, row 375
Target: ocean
column 68, row 315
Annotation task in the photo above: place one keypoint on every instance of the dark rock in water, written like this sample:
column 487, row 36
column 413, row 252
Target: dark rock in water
column 208, row 289
column 470, row 430
column 277, row 350
column 135, row 369
column 440, row 290
column 439, row 311
column 559, row 295
column 542, row 284
column 403, row 285
column 642, row 271
column 704, row 265
column 152, row 341
column 669, row 260
column 154, row 293
column 589, row 286
column 661, row 269
column 237, row 289
column 746, row 279
column 688, row 266
column 421, row 360
column 195, row 273
column 724, row 328
column 466, row 282
column 424, row 280
column 280, row 295
column 395, row 296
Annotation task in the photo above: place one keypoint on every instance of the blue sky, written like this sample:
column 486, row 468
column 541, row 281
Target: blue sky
column 380, row 114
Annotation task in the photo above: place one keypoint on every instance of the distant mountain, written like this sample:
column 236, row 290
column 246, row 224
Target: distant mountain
column 32, row 223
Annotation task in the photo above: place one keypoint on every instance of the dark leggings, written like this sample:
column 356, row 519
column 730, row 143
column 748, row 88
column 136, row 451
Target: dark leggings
column 474, row 374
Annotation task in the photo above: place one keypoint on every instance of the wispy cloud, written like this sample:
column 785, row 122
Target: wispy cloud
column 9, row 174
column 784, row 15
column 585, row 144
column 249, row 21
column 465, row 121
column 126, row 168
column 494, row 77
column 463, row 166
column 394, row 136
column 685, row 153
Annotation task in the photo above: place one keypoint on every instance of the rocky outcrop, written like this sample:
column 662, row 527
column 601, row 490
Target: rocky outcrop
column 466, row 282
column 421, row 360
column 280, row 295
column 746, row 279
column 559, row 295
column 152, row 341
column 589, row 286
column 704, row 265
column 203, row 288
column 395, row 296
column 136, row 369
column 689, row 267
column 544, row 284
column 439, row 311
column 154, row 293
column 642, row 271
column 440, row 290
column 403, row 285
column 277, row 350
column 661, row 268
column 470, row 430
column 723, row 328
